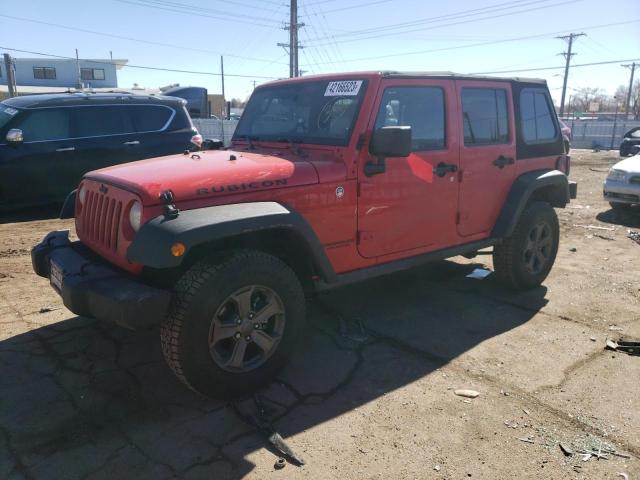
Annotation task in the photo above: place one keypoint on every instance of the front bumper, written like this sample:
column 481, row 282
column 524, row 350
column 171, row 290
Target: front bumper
column 621, row 192
column 91, row 287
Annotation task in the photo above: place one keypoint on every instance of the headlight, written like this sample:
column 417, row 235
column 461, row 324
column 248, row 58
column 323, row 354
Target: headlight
column 82, row 195
column 135, row 215
column 617, row 175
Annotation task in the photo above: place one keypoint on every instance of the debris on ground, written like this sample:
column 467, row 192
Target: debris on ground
column 623, row 475
column 45, row 310
column 437, row 468
column 565, row 449
column 615, row 328
column 573, row 249
column 263, row 425
column 603, row 237
column 479, row 273
column 280, row 463
column 633, row 235
column 466, row 393
column 527, row 440
column 593, row 339
column 595, row 227
column 631, row 348
column 526, row 411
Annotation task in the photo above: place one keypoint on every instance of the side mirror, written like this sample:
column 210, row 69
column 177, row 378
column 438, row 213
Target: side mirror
column 14, row 136
column 391, row 142
column 387, row 142
column 212, row 144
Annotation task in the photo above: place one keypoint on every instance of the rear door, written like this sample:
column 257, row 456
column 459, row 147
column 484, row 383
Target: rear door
column 162, row 130
column 411, row 205
column 487, row 154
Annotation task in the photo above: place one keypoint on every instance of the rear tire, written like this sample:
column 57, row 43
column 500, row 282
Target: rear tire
column 524, row 259
column 232, row 325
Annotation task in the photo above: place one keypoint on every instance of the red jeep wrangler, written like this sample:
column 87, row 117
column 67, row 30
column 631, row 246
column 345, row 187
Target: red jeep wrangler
column 329, row 180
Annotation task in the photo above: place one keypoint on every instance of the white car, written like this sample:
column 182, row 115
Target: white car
column 622, row 185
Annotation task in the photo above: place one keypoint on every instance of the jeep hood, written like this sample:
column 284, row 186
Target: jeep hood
column 208, row 174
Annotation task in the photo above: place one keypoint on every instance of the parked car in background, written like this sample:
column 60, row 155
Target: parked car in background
column 630, row 142
column 49, row 141
column 622, row 185
column 566, row 135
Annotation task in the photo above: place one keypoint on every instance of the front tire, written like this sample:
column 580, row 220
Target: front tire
column 232, row 325
column 524, row 259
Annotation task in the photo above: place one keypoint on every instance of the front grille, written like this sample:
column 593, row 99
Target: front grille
column 101, row 220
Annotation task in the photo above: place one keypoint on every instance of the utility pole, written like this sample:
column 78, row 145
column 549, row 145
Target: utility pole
column 224, row 101
column 11, row 79
column 78, row 68
column 568, row 56
column 293, row 46
column 631, row 66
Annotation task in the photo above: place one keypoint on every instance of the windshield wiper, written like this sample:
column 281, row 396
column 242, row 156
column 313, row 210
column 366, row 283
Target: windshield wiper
column 292, row 143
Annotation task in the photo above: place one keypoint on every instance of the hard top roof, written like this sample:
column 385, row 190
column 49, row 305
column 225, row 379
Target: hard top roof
column 397, row 74
column 88, row 98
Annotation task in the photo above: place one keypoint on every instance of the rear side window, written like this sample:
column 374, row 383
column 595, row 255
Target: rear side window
column 45, row 124
column 536, row 116
column 421, row 108
column 100, row 121
column 485, row 116
column 149, row 118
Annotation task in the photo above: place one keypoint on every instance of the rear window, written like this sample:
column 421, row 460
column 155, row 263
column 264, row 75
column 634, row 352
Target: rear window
column 100, row 121
column 485, row 116
column 149, row 118
column 536, row 116
column 45, row 124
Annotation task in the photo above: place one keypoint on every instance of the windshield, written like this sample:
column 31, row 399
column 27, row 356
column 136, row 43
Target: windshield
column 6, row 114
column 321, row 112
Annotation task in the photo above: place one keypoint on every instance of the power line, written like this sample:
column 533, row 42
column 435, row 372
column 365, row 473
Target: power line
column 446, row 17
column 143, row 67
column 481, row 44
column 351, row 7
column 133, row 39
column 607, row 62
column 490, row 16
column 192, row 12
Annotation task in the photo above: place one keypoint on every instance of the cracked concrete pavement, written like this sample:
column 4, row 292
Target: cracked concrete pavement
column 369, row 393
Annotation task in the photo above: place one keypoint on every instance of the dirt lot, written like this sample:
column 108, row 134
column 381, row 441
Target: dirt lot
column 370, row 393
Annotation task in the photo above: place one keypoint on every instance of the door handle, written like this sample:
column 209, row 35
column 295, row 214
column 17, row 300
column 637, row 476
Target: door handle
column 133, row 142
column 443, row 168
column 501, row 161
column 65, row 149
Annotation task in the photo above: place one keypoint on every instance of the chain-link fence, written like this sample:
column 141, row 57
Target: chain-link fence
column 599, row 135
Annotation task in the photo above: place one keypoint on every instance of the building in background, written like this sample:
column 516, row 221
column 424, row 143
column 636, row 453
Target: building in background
column 67, row 73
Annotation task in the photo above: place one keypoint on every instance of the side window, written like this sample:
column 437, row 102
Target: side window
column 421, row 108
column 485, row 116
column 536, row 117
column 99, row 121
column 45, row 124
column 149, row 118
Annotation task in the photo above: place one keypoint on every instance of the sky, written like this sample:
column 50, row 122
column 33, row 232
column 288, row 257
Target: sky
column 466, row 36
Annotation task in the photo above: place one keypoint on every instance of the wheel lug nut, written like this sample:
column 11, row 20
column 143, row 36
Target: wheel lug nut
column 238, row 321
column 247, row 338
column 257, row 326
column 251, row 315
column 237, row 336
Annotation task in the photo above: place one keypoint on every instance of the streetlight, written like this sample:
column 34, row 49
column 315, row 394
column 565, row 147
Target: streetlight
column 615, row 122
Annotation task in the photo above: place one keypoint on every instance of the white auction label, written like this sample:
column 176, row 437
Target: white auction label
column 343, row 88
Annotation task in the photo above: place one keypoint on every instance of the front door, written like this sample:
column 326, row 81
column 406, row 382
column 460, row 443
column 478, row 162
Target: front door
column 413, row 204
column 487, row 154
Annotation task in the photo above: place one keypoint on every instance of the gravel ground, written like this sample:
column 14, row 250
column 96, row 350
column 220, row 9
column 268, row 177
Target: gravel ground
column 370, row 392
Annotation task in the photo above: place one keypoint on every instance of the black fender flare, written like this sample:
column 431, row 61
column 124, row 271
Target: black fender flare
column 151, row 246
column 521, row 191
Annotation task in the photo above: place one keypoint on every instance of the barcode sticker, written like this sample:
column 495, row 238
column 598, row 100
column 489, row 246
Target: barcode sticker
column 343, row 88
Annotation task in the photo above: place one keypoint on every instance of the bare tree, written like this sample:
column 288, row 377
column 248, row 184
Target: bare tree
column 634, row 103
column 584, row 97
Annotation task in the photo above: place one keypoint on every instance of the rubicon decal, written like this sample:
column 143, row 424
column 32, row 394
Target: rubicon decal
column 240, row 187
